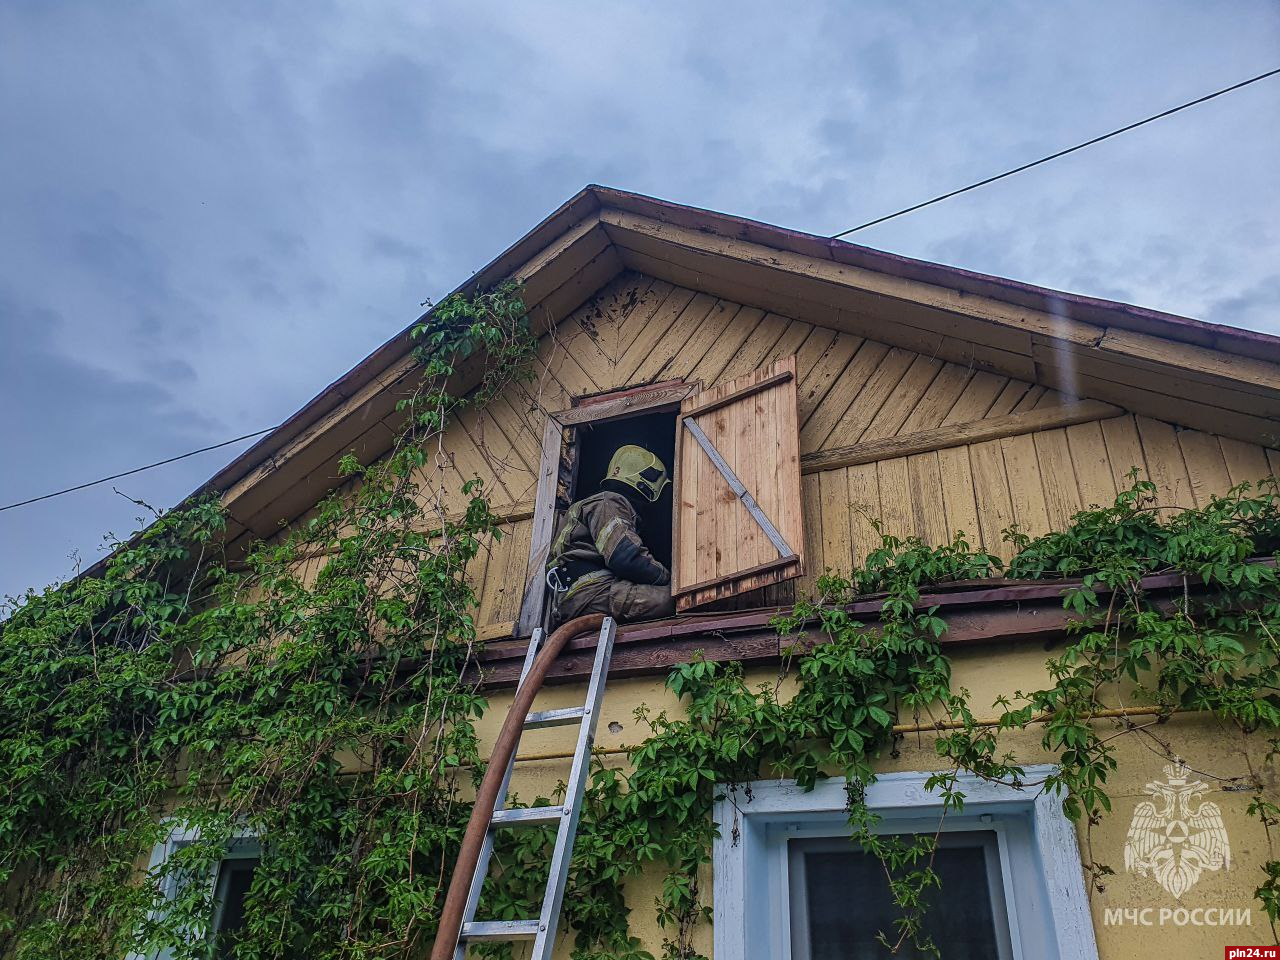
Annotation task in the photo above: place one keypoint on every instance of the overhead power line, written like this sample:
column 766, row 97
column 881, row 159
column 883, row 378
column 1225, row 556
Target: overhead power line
column 1055, row 156
column 837, row 236
column 129, row 473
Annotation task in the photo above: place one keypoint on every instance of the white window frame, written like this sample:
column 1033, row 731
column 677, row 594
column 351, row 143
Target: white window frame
column 1045, row 895
column 244, row 845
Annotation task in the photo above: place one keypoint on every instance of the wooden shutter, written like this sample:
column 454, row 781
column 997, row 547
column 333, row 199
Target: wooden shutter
column 737, row 504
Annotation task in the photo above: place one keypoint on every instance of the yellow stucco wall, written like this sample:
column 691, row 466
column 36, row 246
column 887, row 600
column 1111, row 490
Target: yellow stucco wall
column 987, row 671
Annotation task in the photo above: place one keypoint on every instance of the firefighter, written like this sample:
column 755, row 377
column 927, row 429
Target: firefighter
column 598, row 562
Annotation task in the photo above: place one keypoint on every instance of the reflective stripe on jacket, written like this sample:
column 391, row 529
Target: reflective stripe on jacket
column 600, row 532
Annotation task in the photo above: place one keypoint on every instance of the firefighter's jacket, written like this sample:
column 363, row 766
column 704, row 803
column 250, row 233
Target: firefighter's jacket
column 598, row 537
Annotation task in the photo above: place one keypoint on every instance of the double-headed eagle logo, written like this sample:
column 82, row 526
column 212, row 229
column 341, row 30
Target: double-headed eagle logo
column 1173, row 841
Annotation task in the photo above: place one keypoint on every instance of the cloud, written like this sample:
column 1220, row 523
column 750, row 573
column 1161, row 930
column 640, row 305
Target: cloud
column 212, row 210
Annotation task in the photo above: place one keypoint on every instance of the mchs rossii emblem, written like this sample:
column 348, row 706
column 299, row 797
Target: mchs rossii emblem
column 1177, row 836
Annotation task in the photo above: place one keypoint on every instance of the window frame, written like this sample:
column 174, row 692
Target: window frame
column 994, row 849
column 245, row 844
column 557, row 472
column 1047, row 905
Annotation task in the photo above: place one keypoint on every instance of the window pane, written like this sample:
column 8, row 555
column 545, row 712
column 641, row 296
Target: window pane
column 847, row 902
column 234, row 879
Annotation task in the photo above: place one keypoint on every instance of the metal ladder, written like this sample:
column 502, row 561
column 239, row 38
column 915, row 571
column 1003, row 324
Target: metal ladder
column 542, row 931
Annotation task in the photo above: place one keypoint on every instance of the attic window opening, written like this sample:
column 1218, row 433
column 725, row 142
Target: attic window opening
column 729, row 526
column 596, row 442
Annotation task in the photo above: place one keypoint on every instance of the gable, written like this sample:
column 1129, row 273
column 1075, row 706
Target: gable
column 900, row 361
column 926, row 445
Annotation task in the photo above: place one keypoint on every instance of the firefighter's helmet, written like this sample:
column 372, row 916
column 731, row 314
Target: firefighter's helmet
column 640, row 470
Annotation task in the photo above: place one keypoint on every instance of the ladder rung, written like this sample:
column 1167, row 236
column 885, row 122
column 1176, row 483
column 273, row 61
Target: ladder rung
column 527, row 816
column 554, row 718
column 500, row 930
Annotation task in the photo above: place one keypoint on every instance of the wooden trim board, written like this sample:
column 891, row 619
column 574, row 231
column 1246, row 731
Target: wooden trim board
column 957, row 435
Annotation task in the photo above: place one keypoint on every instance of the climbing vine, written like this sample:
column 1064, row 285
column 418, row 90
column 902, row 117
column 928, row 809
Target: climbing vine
column 330, row 717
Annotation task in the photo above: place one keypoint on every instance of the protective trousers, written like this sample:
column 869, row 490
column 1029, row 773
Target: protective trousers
column 621, row 599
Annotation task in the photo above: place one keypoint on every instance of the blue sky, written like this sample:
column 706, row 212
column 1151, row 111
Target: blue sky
column 210, row 211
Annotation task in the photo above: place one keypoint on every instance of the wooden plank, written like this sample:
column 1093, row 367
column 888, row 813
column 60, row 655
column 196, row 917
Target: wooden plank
column 951, row 436
column 831, row 365
column 1093, row 466
column 1031, row 399
column 1124, row 450
column 514, row 577
column 543, row 527
column 958, row 494
column 1206, row 467
column 828, row 412
column 864, row 505
column 516, row 423
column 692, row 331
column 789, row 343
column 836, row 538
column 1164, row 460
column 730, row 528
column 853, row 423
column 943, row 394
column 689, row 351
column 765, row 424
column 646, row 338
column 706, row 406
column 754, row 353
column 472, row 463
column 811, row 351
column 977, row 399
column 711, row 367
column 948, row 343
column 684, row 530
column 1156, row 378
column 1062, row 495
column 750, row 547
column 633, row 403
column 747, row 573
column 1201, row 363
column 557, row 263
column 489, row 592
column 476, row 569
column 1030, row 509
column 602, row 316
column 991, row 489
column 571, row 294
column 905, row 396
column 1054, row 398
column 896, row 511
column 768, row 266
column 811, row 499
column 973, row 613
column 778, row 407
column 641, row 312
column 927, row 501
column 563, row 353
column 1008, row 398
column 1175, row 406
column 1246, row 462
column 501, row 455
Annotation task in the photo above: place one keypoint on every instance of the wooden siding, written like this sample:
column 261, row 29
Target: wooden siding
column 1037, row 480
column 640, row 330
column 851, row 392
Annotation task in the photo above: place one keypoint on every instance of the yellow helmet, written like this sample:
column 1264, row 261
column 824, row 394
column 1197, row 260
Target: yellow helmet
column 640, row 470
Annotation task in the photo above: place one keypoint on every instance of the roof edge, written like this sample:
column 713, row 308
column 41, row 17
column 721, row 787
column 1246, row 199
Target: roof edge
column 1218, row 336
